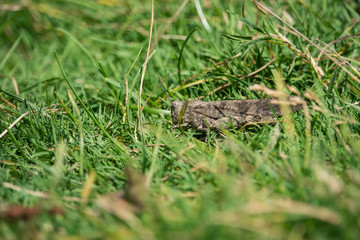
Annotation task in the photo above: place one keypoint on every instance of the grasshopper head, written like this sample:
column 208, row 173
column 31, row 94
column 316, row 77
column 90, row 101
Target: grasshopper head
column 176, row 107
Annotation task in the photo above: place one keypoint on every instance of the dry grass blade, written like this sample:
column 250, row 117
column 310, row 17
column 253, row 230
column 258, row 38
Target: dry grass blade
column 11, row 7
column 88, row 186
column 13, row 124
column 319, row 72
column 266, row 90
column 15, row 86
column 289, row 206
column 37, row 193
column 337, row 40
column 265, row 9
column 144, row 67
column 126, row 97
column 172, row 19
column 342, row 60
column 153, row 91
column 241, row 77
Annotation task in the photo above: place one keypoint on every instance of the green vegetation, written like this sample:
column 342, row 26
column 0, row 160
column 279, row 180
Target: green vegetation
column 76, row 162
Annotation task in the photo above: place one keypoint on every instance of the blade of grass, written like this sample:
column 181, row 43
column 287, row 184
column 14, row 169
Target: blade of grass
column 77, row 42
column 180, row 54
column 66, row 109
column 4, row 60
column 97, row 123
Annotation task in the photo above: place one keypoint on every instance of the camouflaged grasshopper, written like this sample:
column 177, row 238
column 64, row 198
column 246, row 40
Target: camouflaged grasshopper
column 222, row 114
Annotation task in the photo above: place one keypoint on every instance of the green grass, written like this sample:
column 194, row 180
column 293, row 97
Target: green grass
column 78, row 146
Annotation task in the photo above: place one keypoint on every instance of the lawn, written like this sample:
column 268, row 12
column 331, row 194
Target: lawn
column 88, row 149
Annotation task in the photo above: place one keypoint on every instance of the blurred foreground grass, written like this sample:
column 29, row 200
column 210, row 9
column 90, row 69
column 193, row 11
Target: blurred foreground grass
column 75, row 165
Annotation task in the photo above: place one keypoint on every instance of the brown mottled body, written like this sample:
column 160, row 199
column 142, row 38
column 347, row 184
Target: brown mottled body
column 218, row 114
